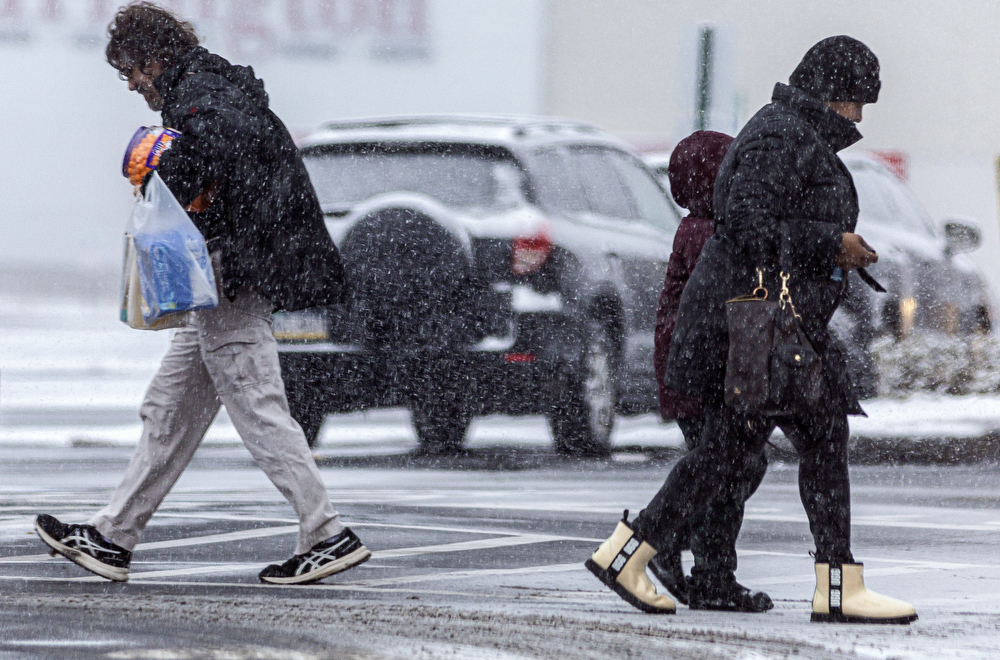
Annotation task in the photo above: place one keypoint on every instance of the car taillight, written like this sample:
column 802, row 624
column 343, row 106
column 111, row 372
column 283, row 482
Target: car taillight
column 528, row 253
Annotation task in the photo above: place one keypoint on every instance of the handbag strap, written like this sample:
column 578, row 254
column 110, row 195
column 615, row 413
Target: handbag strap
column 784, row 253
column 785, row 267
column 785, row 249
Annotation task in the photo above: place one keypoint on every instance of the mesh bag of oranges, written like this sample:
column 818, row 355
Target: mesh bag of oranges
column 144, row 151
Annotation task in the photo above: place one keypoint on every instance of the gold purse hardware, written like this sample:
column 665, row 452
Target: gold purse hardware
column 760, row 293
column 785, row 298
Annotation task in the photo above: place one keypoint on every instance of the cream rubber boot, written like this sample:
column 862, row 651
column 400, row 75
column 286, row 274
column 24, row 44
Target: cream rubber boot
column 841, row 597
column 620, row 563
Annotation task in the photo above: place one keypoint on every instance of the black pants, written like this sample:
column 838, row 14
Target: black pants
column 712, row 535
column 731, row 445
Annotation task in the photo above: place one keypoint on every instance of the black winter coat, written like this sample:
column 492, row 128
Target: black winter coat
column 265, row 219
column 782, row 168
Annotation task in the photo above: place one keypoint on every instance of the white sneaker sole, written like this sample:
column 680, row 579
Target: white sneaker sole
column 83, row 559
column 359, row 556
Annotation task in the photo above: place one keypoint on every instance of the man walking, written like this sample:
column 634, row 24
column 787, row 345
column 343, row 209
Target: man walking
column 236, row 168
column 780, row 183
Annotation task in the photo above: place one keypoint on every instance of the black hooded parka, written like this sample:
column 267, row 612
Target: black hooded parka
column 782, row 168
column 265, row 219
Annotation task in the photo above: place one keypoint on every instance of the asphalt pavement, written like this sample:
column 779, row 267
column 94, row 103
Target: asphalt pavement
column 477, row 556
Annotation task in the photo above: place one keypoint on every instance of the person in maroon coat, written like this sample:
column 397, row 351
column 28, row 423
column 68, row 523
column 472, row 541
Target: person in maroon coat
column 693, row 167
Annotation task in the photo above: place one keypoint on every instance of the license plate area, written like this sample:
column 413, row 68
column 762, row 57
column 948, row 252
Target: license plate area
column 300, row 326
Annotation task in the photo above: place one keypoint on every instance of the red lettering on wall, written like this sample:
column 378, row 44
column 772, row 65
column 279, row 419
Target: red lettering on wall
column 176, row 6
column 250, row 32
column 99, row 10
column 10, row 9
column 52, row 10
column 360, row 13
column 386, row 16
column 397, row 17
column 246, row 29
column 206, row 9
column 295, row 14
column 418, row 17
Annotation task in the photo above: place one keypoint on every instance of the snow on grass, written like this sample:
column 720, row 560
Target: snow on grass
column 936, row 362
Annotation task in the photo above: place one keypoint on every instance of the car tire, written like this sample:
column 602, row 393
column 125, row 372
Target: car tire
column 440, row 424
column 584, row 414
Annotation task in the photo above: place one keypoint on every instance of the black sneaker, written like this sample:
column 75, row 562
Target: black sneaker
column 666, row 567
column 726, row 596
column 334, row 555
column 85, row 546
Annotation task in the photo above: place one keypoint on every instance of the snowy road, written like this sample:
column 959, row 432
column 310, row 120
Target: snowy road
column 472, row 562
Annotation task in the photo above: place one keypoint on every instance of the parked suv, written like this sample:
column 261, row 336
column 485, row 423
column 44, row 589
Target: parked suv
column 496, row 265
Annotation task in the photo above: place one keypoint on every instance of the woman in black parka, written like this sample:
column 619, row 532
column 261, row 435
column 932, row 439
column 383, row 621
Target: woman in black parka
column 781, row 171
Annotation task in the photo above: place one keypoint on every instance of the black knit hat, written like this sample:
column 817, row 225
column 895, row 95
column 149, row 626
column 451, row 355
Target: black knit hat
column 838, row 69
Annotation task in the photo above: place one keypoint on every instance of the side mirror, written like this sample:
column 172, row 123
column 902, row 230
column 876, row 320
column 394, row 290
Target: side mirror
column 961, row 235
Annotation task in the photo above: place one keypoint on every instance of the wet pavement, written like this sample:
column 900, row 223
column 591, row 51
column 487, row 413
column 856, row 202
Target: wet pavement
column 477, row 556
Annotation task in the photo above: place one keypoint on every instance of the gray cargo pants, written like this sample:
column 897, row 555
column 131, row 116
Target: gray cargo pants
column 225, row 356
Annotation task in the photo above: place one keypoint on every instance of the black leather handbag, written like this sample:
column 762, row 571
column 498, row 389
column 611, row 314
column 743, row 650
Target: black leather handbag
column 772, row 369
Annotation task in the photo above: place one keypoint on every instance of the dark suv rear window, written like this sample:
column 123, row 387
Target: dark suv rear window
column 464, row 176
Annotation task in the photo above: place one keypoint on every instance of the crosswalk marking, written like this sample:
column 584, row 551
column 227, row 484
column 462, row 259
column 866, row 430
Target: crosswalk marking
column 461, row 546
column 474, row 573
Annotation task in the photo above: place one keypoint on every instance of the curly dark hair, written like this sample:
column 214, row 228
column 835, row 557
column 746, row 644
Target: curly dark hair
column 142, row 33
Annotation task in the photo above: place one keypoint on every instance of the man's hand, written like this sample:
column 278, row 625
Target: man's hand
column 855, row 253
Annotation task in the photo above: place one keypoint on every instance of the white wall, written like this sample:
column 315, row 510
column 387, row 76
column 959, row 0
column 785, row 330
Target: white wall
column 65, row 118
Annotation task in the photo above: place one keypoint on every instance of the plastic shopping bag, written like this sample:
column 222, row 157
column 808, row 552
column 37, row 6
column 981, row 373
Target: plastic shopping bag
column 174, row 268
column 132, row 303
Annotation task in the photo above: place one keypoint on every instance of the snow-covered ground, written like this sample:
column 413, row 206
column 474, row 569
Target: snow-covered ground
column 72, row 374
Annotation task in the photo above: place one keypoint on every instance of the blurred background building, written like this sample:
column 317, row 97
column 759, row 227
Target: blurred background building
column 649, row 70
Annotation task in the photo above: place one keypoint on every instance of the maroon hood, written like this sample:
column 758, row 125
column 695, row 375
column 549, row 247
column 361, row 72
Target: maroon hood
column 694, row 164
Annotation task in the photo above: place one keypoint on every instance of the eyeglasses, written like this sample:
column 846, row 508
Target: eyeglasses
column 125, row 74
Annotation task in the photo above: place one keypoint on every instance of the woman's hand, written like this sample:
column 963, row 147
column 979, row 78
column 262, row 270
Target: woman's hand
column 855, row 253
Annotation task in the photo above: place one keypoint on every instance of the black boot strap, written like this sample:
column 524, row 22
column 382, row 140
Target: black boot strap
column 835, row 585
column 624, row 555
